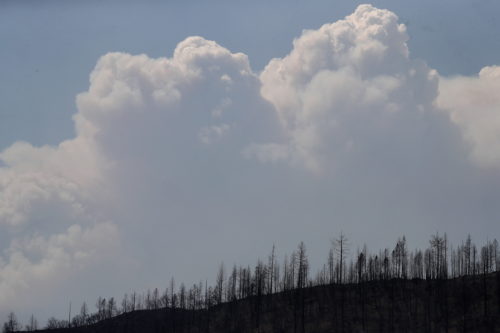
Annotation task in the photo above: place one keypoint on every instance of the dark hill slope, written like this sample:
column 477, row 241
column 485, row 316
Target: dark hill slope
column 467, row 304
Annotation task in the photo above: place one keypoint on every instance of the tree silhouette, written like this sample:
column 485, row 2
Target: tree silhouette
column 439, row 288
column 11, row 325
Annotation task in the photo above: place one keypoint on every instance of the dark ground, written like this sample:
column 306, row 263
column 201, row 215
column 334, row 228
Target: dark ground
column 466, row 304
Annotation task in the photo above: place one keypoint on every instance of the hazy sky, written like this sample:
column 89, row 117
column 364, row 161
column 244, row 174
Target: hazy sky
column 132, row 151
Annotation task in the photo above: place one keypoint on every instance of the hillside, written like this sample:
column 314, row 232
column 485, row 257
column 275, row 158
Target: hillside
column 466, row 304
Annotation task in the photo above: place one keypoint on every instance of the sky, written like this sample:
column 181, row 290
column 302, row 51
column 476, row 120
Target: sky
column 144, row 141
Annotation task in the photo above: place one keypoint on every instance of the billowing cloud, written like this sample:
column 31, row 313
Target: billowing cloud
column 169, row 149
column 138, row 112
column 52, row 179
column 474, row 105
column 344, row 85
column 39, row 265
column 142, row 120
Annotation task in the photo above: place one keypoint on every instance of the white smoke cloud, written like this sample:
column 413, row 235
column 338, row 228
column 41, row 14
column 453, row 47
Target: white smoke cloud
column 344, row 85
column 141, row 118
column 474, row 105
column 133, row 106
column 57, row 178
column 39, row 265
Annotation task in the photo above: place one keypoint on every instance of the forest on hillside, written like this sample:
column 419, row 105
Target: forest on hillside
column 437, row 289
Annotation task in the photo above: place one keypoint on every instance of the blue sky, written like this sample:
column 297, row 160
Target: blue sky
column 160, row 194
